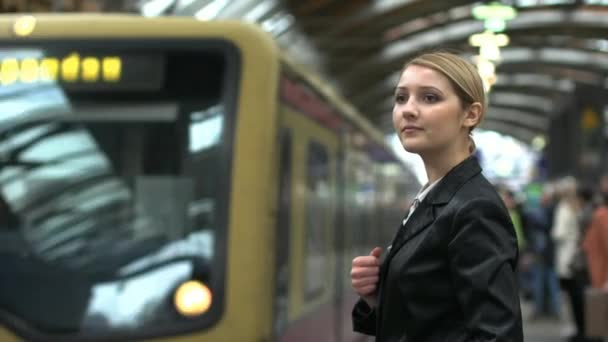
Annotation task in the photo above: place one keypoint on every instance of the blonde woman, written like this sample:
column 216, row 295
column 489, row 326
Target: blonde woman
column 449, row 273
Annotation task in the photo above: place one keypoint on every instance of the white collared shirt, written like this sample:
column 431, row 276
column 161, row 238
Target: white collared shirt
column 419, row 197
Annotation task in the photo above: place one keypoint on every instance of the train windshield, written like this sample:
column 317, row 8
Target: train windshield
column 114, row 176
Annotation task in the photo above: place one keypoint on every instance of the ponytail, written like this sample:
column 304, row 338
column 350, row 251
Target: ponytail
column 472, row 146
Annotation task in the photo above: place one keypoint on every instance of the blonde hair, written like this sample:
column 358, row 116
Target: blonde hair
column 463, row 76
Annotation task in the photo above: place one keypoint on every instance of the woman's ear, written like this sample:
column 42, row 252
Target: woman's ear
column 472, row 115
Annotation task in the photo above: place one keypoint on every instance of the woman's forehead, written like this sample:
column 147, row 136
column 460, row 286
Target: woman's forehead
column 421, row 76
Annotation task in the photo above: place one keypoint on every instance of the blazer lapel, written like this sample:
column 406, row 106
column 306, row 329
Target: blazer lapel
column 421, row 218
column 424, row 214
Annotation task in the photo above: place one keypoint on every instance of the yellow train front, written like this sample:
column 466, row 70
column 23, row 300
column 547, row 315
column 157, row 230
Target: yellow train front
column 179, row 180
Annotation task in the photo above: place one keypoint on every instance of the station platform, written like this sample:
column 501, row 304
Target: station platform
column 546, row 329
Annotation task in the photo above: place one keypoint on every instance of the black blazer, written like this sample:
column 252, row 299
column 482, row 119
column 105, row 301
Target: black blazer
column 449, row 275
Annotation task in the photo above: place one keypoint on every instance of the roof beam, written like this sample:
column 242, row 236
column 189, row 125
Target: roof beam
column 529, row 83
column 518, row 117
column 578, row 24
column 521, row 100
column 590, row 69
column 449, row 19
column 376, row 22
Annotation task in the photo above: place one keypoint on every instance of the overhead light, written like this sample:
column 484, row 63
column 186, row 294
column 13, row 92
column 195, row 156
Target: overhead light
column 211, row 10
column 489, row 37
column 495, row 25
column 182, row 4
column 259, row 11
column 278, row 23
column 489, row 44
column 539, row 142
column 487, row 72
column 485, row 67
column 155, row 7
column 494, row 10
column 494, row 15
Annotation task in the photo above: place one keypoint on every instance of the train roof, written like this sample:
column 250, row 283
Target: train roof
column 348, row 111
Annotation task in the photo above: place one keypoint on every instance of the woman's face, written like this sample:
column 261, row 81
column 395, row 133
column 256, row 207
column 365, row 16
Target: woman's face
column 427, row 114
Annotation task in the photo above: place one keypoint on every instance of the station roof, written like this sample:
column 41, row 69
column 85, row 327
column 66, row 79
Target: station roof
column 360, row 46
column 554, row 46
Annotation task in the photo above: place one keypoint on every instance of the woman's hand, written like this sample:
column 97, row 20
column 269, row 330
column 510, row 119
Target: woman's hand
column 364, row 276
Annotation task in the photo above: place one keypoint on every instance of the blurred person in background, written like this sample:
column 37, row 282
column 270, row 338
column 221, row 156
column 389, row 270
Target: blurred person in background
column 546, row 289
column 566, row 234
column 599, row 195
column 518, row 217
column 579, row 265
column 585, row 217
column 595, row 243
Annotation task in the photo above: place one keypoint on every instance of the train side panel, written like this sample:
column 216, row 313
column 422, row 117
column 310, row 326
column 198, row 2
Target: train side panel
column 309, row 313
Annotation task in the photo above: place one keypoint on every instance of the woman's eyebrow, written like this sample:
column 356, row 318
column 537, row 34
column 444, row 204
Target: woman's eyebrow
column 432, row 88
column 421, row 88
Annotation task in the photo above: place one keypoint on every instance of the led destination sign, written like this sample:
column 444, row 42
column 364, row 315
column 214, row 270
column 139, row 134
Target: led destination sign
column 83, row 71
column 72, row 68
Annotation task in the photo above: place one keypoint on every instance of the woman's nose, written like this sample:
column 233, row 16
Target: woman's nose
column 409, row 108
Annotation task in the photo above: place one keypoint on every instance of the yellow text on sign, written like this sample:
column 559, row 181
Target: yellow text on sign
column 71, row 68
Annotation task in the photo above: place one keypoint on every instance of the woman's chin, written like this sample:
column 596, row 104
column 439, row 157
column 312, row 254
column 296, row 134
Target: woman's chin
column 412, row 147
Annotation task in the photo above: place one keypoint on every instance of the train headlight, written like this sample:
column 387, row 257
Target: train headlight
column 192, row 298
column 24, row 26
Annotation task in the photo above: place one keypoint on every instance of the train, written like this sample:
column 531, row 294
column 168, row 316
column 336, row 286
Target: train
column 172, row 179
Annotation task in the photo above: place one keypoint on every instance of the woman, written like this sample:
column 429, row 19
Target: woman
column 565, row 233
column 449, row 274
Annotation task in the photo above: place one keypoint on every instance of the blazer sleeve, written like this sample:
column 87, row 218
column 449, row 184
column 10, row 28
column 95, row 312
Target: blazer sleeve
column 364, row 318
column 482, row 257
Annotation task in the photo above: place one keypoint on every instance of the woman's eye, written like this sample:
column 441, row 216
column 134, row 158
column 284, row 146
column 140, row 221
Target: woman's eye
column 430, row 98
column 400, row 98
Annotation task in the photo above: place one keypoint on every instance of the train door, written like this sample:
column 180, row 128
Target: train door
column 358, row 227
column 308, row 229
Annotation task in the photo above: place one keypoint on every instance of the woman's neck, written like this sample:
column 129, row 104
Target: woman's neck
column 438, row 165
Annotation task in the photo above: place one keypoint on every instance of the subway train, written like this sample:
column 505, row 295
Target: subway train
column 177, row 180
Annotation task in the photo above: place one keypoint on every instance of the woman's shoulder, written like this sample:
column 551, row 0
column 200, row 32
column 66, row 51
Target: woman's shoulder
column 477, row 210
column 478, row 189
column 473, row 200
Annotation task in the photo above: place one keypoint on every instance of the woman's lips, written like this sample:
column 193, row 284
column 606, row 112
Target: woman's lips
column 411, row 129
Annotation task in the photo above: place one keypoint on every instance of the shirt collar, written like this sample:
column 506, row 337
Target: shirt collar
column 426, row 189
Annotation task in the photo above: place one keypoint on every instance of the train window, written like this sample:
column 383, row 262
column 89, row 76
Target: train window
column 114, row 188
column 318, row 211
